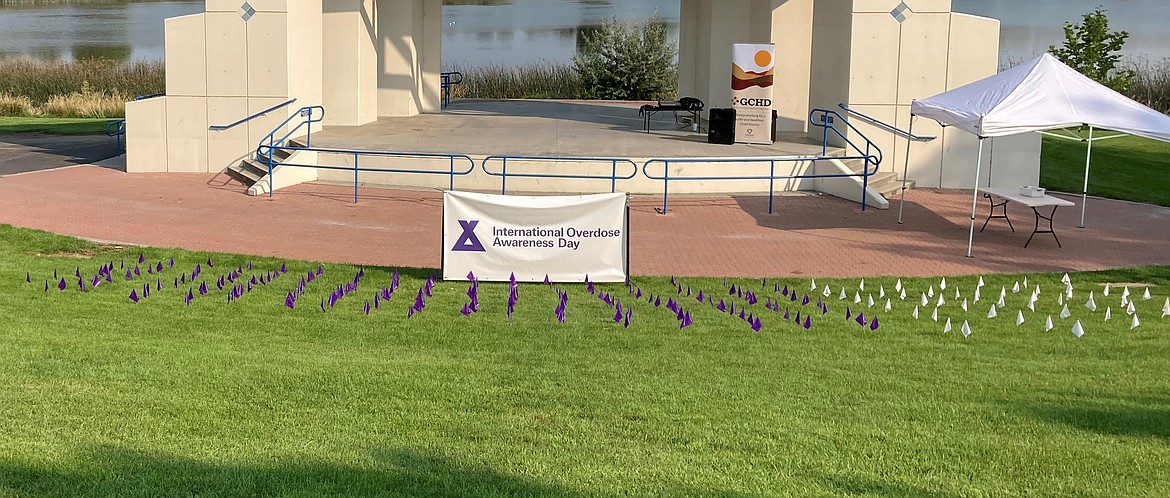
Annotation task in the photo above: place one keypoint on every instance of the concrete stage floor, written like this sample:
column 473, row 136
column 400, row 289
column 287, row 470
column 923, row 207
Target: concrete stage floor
column 715, row 236
column 548, row 128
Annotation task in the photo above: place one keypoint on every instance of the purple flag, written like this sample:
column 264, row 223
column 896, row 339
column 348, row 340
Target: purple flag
column 757, row 325
column 137, row 273
column 658, row 302
column 377, row 301
column 731, row 291
column 367, row 308
column 638, row 295
column 159, row 267
column 146, row 291
column 797, row 320
column 785, row 291
column 546, row 280
column 617, row 317
column 466, row 310
column 134, row 295
column 190, row 297
column 861, row 319
column 410, row 313
column 700, row 296
column 512, row 278
column 807, row 323
column 721, row 307
column 848, row 313
column 141, row 258
column 786, row 315
column 741, row 315
column 291, row 303
column 27, row 277
column 97, row 279
column 46, row 286
column 629, row 316
column 61, row 285
column 805, row 302
column 874, row 325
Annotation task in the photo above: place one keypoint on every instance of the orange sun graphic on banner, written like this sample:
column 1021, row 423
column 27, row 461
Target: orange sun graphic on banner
column 763, row 59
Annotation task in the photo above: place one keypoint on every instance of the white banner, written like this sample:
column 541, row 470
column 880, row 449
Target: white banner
column 753, row 70
column 566, row 237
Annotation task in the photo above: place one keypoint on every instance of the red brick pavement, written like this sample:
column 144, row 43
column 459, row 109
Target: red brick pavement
column 808, row 235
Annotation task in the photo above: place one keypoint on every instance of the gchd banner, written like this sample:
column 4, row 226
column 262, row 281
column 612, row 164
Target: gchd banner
column 753, row 70
column 565, row 237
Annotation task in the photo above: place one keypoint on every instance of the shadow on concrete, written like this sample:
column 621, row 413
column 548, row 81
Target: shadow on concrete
column 26, row 152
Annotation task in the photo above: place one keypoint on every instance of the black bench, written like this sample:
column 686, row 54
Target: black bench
column 685, row 104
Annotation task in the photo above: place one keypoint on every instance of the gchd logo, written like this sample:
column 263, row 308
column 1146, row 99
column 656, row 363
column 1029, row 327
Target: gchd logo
column 751, row 102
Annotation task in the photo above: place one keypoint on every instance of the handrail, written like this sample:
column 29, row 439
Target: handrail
column 271, row 142
column 357, row 154
column 116, row 129
column 771, row 176
column 886, row 126
column 872, row 152
column 503, row 174
column 254, row 116
column 151, row 96
column 446, row 80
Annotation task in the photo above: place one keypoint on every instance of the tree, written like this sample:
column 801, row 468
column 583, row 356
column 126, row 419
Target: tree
column 627, row 61
column 1091, row 48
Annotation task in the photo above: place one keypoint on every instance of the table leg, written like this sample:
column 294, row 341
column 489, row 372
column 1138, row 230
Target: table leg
column 1037, row 229
column 991, row 214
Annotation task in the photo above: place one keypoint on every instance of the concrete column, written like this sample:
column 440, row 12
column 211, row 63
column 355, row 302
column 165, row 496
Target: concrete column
column 792, row 32
column 350, row 66
column 409, row 49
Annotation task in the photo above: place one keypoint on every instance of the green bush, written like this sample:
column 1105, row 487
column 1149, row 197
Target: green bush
column 627, row 61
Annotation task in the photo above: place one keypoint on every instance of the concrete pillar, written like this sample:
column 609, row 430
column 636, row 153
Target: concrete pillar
column 409, row 50
column 792, row 32
column 350, row 66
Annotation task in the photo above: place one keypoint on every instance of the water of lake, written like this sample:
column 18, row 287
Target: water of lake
column 508, row 33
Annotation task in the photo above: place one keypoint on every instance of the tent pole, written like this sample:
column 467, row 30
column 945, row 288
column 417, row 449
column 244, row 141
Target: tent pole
column 905, row 168
column 975, row 198
column 1085, row 192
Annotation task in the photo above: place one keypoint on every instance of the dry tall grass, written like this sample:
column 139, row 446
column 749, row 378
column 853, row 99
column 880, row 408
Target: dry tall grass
column 92, row 88
column 1151, row 86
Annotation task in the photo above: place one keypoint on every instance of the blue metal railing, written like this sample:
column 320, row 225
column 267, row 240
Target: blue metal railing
column 151, row 96
column 253, row 116
column 270, row 144
column 358, row 154
column 665, row 177
column 613, row 177
column 117, row 129
column 448, row 79
column 870, row 153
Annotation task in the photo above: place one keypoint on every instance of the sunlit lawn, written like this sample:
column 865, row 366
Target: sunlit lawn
column 100, row 396
column 1129, row 168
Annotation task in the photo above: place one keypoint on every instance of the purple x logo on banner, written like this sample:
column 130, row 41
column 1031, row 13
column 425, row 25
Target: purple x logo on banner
column 468, row 242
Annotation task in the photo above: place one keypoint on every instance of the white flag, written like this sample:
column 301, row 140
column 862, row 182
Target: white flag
column 976, row 296
column 812, row 285
column 1091, row 303
column 1108, row 313
column 934, row 315
column 1025, row 282
column 882, row 292
column 964, row 305
column 862, row 285
column 1019, row 318
column 1106, row 291
column 980, row 284
column 828, row 292
column 947, row 327
column 902, row 296
column 1060, row 299
column 991, row 313
column 1166, row 308
column 1066, row 280
column 941, row 301
column 1125, row 292
column 856, row 297
column 1016, row 288
column 966, row 329
column 924, row 301
column 1146, row 295
column 930, row 291
column 943, row 285
column 870, row 300
column 1000, row 302
column 1048, row 323
column 1064, row 313
column 1130, row 309
column 915, row 314
column 957, row 295
column 1135, row 323
column 843, row 295
column 1078, row 330
column 898, row 285
column 888, row 307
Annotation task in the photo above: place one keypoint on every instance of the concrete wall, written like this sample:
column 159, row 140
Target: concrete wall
column 350, row 62
column 220, row 69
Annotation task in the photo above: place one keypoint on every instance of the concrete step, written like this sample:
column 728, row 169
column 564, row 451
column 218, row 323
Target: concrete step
column 246, row 172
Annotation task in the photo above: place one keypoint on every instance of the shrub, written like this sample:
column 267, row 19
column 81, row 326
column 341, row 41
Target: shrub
column 18, row 105
column 627, row 61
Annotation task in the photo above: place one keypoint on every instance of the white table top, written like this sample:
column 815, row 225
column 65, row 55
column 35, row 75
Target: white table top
column 1013, row 194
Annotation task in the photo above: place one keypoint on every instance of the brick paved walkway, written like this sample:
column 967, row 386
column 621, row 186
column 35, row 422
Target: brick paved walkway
column 808, row 235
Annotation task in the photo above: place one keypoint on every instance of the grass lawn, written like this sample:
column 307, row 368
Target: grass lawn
column 100, row 396
column 54, row 126
column 1130, row 168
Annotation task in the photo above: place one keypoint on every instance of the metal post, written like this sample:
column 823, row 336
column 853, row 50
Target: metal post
column 1085, row 191
column 906, row 169
column 771, row 183
column 665, row 183
column 504, row 176
column 355, row 177
column 309, row 135
column 613, row 178
column 824, row 133
column 452, row 185
column 975, row 198
column 268, row 159
column 865, row 179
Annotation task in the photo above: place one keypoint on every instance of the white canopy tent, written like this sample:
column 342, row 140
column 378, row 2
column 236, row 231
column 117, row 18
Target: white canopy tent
column 1038, row 95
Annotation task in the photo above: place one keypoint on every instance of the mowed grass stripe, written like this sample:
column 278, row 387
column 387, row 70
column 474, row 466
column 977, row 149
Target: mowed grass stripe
column 102, row 397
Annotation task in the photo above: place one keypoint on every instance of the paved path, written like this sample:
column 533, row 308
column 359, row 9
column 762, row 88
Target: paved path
column 808, row 235
column 24, row 152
